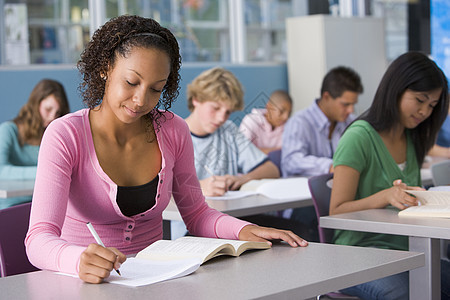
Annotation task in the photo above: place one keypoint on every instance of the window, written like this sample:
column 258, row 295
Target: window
column 56, row 31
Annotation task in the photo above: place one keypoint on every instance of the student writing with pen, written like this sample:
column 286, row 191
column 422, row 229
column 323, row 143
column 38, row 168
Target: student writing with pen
column 117, row 163
column 224, row 158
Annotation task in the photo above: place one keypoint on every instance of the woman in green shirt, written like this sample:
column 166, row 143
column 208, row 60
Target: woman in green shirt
column 21, row 137
column 380, row 155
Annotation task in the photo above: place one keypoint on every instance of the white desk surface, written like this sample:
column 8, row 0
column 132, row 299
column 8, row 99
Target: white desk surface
column 16, row 188
column 280, row 272
column 247, row 206
column 424, row 236
column 388, row 221
column 250, row 205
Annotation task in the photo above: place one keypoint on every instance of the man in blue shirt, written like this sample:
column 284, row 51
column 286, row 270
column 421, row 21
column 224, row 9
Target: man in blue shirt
column 311, row 135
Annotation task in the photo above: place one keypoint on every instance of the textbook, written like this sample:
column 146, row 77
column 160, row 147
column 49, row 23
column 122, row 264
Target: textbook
column 169, row 259
column 432, row 203
column 197, row 247
column 292, row 188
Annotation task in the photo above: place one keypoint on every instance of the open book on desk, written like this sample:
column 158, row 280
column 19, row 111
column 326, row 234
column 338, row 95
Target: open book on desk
column 169, row 259
column 433, row 203
column 292, row 188
column 197, row 247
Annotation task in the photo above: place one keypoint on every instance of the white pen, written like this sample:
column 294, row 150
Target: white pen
column 97, row 239
column 208, row 170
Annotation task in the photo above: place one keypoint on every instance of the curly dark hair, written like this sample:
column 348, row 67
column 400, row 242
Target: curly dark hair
column 117, row 37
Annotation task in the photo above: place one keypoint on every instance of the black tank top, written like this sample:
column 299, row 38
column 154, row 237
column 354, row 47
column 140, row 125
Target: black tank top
column 133, row 200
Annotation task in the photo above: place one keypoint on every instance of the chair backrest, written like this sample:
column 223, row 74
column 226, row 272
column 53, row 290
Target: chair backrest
column 275, row 157
column 13, row 228
column 321, row 192
column 440, row 173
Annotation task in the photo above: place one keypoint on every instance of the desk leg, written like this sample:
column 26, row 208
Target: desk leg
column 166, row 230
column 425, row 282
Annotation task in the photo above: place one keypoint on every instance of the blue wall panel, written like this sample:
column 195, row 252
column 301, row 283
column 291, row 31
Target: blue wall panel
column 258, row 81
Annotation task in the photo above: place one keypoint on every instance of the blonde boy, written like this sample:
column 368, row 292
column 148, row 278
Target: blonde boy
column 224, row 158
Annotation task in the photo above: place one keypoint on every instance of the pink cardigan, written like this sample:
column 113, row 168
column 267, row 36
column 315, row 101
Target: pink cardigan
column 71, row 189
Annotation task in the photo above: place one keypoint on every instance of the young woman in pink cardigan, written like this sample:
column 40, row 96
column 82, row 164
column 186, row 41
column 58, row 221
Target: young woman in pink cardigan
column 117, row 163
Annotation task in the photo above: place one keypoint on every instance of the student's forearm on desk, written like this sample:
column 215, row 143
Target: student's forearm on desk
column 345, row 184
column 266, row 170
column 440, row 151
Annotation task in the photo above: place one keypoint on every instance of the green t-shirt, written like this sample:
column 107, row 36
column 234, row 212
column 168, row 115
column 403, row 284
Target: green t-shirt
column 362, row 149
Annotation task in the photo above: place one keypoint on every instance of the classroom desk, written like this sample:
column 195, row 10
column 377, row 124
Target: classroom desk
column 251, row 205
column 16, row 188
column 279, row 272
column 424, row 236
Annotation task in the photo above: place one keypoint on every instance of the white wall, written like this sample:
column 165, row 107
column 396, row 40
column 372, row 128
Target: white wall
column 318, row 43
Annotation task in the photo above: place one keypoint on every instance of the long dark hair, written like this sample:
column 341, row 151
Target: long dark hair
column 416, row 72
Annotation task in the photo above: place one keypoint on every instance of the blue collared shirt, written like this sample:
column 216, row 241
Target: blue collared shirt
column 306, row 149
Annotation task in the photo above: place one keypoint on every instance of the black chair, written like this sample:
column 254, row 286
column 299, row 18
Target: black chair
column 320, row 188
column 275, row 157
column 13, row 228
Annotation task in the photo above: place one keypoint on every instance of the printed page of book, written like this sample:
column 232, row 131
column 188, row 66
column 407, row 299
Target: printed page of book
column 183, row 247
column 292, row 188
column 253, row 185
column 224, row 246
column 236, row 244
column 286, row 188
column 432, row 197
column 437, row 211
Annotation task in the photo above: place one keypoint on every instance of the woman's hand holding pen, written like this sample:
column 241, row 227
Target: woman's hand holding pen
column 396, row 195
column 96, row 263
column 265, row 234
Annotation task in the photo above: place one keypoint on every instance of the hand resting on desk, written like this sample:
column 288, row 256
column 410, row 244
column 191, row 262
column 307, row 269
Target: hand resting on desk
column 265, row 234
column 398, row 197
